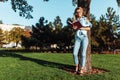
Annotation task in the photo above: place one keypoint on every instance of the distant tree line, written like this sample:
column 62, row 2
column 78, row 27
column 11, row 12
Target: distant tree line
column 103, row 37
column 44, row 34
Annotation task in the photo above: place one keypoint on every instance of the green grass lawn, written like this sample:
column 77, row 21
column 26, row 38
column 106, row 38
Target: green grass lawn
column 48, row 66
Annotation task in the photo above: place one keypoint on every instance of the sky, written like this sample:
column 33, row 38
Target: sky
column 51, row 9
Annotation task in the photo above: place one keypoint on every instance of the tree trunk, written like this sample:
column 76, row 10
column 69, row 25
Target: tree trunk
column 85, row 4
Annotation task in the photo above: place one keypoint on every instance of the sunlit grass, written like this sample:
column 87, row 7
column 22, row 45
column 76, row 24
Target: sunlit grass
column 46, row 66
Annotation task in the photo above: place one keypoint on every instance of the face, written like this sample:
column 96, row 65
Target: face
column 79, row 13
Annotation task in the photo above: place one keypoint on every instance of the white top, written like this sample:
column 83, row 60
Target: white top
column 85, row 23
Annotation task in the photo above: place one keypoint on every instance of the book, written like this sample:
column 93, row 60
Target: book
column 76, row 24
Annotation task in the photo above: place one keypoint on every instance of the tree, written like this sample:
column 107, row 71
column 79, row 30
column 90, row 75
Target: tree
column 15, row 35
column 27, row 42
column 58, row 32
column 41, row 33
column 103, row 31
column 106, row 27
column 1, row 22
column 22, row 7
column 118, row 2
column 85, row 4
column 1, row 38
column 67, row 37
column 6, row 36
column 94, row 31
column 57, row 23
column 112, row 20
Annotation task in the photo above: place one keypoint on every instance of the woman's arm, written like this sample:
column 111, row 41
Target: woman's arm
column 85, row 28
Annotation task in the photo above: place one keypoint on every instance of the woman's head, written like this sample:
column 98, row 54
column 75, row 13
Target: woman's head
column 78, row 13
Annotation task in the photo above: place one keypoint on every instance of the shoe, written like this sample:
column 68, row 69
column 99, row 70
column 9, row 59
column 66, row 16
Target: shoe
column 76, row 72
column 81, row 71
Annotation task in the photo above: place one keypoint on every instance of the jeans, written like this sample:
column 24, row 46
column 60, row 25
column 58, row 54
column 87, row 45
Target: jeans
column 80, row 42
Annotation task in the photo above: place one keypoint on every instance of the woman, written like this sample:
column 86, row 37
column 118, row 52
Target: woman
column 81, row 24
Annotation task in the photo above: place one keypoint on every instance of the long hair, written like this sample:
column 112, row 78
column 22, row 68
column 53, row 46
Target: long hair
column 75, row 16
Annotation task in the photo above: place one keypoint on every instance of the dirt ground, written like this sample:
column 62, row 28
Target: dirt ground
column 94, row 70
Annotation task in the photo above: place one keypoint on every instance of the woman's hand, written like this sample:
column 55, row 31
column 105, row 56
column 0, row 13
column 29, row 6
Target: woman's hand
column 75, row 27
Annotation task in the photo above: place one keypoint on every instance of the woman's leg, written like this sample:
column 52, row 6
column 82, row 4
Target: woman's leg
column 84, row 45
column 75, row 52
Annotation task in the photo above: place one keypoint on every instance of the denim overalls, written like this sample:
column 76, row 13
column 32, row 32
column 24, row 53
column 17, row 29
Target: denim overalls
column 81, row 40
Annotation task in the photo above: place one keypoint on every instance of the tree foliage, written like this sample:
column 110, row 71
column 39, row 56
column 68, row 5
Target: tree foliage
column 15, row 34
column 1, row 22
column 22, row 7
column 103, row 31
column 1, row 37
column 45, row 34
column 6, row 36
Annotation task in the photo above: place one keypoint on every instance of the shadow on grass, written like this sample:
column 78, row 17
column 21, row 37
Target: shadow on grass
column 66, row 67
column 4, row 53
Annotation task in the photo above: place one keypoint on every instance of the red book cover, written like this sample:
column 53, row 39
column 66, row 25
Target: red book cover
column 76, row 25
